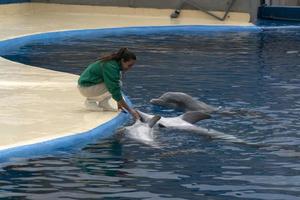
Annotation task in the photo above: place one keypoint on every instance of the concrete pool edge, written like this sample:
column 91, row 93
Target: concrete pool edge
column 67, row 143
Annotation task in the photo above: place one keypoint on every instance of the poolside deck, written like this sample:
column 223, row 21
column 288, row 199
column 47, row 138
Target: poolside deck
column 40, row 105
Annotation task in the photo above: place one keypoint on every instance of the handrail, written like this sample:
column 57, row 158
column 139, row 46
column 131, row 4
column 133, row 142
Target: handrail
column 195, row 4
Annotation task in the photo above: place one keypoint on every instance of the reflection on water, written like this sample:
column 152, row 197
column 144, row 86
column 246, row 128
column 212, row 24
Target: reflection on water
column 255, row 71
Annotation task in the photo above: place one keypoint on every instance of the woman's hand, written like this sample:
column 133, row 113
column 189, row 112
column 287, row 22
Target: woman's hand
column 120, row 106
column 123, row 105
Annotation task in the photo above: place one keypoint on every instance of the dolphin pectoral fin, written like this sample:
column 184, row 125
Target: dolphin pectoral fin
column 153, row 120
column 194, row 116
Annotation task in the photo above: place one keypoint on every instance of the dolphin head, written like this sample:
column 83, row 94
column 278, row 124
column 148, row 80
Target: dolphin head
column 142, row 130
column 148, row 119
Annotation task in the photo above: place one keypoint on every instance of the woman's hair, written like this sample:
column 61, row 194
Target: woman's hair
column 123, row 53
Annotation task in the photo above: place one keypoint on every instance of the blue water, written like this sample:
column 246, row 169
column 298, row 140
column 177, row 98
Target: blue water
column 258, row 71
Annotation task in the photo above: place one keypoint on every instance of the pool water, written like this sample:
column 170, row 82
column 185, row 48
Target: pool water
column 258, row 71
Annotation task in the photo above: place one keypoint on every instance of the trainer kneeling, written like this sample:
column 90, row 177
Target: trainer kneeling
column 101, row 80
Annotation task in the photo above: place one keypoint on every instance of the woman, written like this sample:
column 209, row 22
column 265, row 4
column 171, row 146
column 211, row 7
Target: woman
column 101, row 80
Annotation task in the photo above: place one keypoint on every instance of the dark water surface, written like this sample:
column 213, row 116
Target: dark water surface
column 257, row 71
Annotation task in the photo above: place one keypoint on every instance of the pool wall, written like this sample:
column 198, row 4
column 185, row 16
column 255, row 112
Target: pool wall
column 239, row 5
column 210, row 5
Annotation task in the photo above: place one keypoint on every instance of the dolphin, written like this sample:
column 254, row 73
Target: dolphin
column 185, row 102
column 186, row 122
column 142, row 130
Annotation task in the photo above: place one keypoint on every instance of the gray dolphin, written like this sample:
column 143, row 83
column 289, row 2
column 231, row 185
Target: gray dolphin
column 183, row 101
column 186, row 122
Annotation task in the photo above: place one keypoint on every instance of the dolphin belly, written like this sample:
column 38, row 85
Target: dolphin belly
column 214, row 134
column 174, row 122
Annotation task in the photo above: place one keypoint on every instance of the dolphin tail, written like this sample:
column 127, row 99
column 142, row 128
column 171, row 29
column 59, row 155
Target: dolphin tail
column 194, row 116
column 153, row 120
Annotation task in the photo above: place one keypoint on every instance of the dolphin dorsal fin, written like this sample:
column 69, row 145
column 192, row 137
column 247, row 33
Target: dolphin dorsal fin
column 194, row 116
column 153, row 120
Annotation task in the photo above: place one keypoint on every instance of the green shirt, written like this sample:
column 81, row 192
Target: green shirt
column 103, row 71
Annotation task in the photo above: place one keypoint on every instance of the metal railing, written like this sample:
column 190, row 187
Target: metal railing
column 196, row 5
